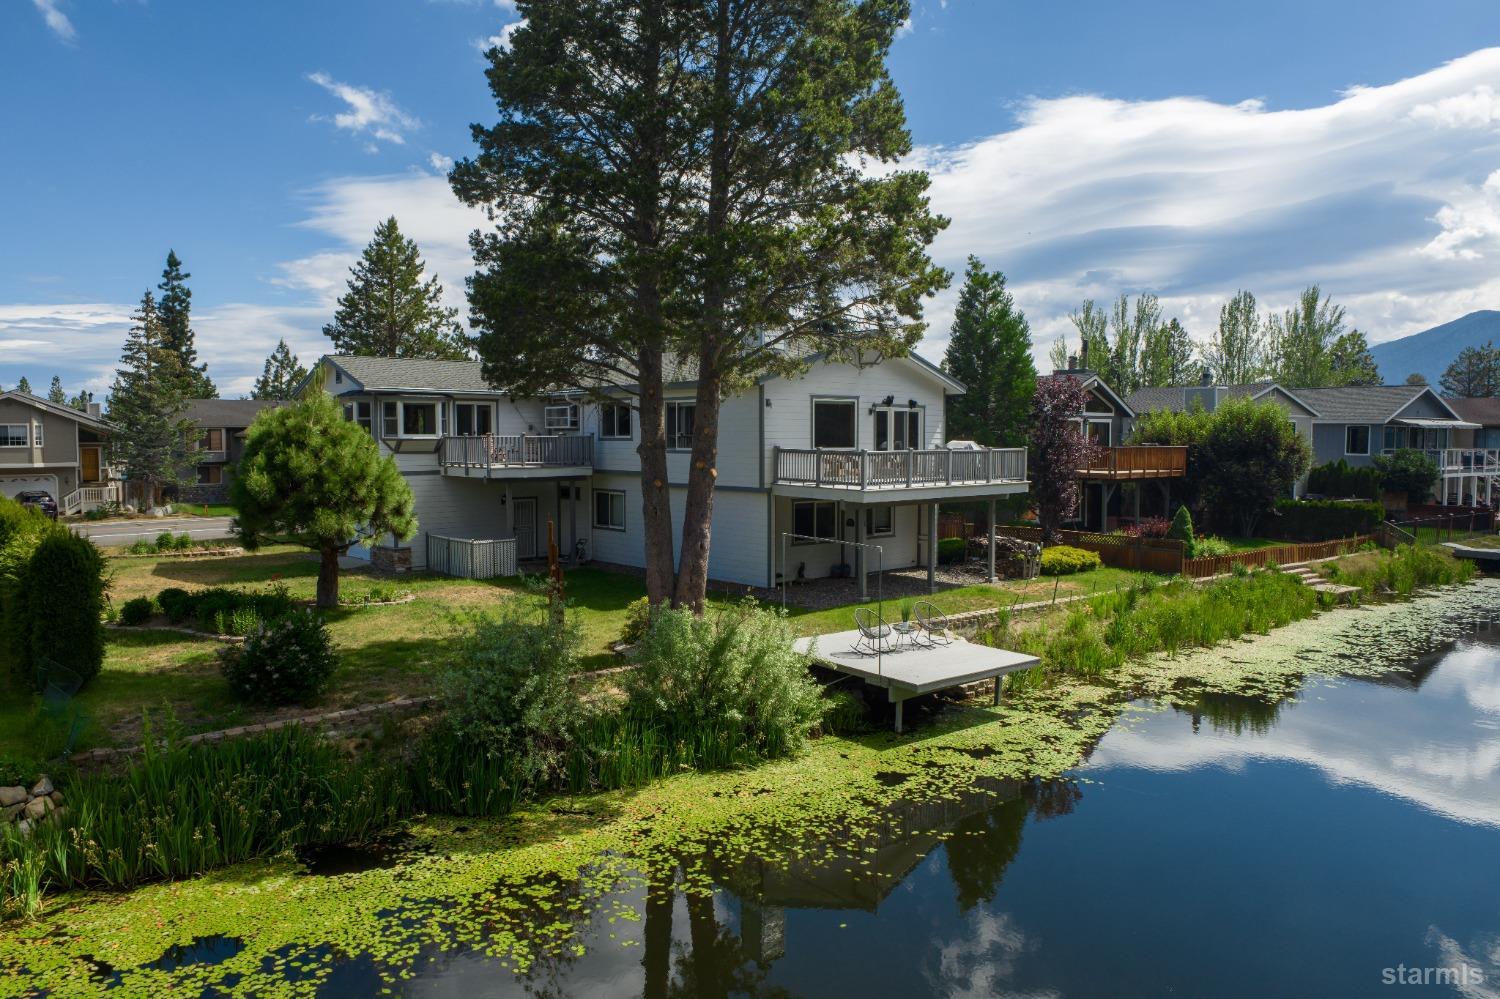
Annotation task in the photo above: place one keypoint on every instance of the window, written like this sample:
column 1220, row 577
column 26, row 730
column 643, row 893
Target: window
column 878, row 521
column 419, row 419
column 210, row 475
column 1356, row 440
column 388, row 421
column 813, row 518
column 614, row 421
column 833, row 423
column 358, row 412
column 609, row 509
column 213, row 440
column 563, row 416
column 1098, row 432
column 13, row 434
column 36, row 433
column 898, row 428
column 680, row 425
column 472, row 419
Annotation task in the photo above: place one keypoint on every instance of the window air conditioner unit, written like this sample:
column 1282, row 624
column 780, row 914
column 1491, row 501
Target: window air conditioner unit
column 560, row 417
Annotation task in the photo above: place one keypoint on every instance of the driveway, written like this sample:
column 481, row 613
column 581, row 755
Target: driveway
column 109, row 533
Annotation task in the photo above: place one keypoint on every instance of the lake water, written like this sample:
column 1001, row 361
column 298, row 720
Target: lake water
column 1345, row 842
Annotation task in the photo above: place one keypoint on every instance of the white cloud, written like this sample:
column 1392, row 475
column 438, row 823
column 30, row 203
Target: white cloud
column 1479, row 108
column 498, row 41
column 370, row 113
column 906, row 27
column 439, row 162
column 56, row 20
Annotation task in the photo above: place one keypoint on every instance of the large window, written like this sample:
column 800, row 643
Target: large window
column 898, row 428
column 390, row 423
column 814, row 518
column 213, row 440
column 210, row 475
column 419, row 419
column 680, row 425
column 833, row 423
column 878, row 521
column 13, row 434
column 358, row 412
column 614, row 421
column 1098, row 432
column 609, row 509
column 472, row 419
column 1357, row 440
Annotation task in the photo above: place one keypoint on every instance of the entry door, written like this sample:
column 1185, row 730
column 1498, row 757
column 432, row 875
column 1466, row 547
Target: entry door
column 525, row 514
column 90, row 456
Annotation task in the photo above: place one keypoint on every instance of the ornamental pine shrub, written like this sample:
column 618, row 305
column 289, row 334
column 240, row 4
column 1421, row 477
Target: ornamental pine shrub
column 176, row 603
column 66, row 626
column 1064, row 560
column 1182, row 530
column 289, row 661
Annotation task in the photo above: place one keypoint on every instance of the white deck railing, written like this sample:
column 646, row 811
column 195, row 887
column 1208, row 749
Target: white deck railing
column 1463, row 460
column 87, row 498
column 518, row 451
column 898, row 469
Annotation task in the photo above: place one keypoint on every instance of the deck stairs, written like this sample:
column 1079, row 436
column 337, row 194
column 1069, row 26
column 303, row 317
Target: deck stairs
column 1311, row 578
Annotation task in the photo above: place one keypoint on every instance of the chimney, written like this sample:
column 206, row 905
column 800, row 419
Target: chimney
column 96, row 410
column 1208, row 377
column 1083, row 358
column 1072, row 362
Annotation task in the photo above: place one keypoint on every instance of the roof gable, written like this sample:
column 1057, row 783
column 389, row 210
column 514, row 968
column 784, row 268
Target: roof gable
column 56, row 409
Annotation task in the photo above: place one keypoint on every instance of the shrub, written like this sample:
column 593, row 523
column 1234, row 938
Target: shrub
column 1063, row 560
column 637, row 620
column 141, row 547
column 1407, row 471
column 509, row 692
column 1321, row 520
column 136, row 611
column 1151, row 527
column 1211, row 547
column 289, row 661
column 1340, row 479
column 21, row 530
column 176, row 603
column 240, row 621
column 165, row 541
column 1181, row 529
column 183, row 542
column 725, row 680
column 65, row 627
column 218, row 604
column 952, row 550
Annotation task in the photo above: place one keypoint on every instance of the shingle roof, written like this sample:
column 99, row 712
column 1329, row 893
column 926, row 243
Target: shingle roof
column 98, row 423
column 390, row 374
column 226, row 412
column 1174, row 397
column 1360, row 403
column 1485, row 412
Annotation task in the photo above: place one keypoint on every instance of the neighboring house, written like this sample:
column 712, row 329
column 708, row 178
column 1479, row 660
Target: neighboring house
column 55, row 448
column 221, row 426
column 1106, row 420
column 1485, row 415
column 846, row 453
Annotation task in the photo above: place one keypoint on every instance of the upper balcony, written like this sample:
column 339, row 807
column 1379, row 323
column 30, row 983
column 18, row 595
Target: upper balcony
column 884, row 476
column 1140, row 461
column 518, row 456
column 1463, row 460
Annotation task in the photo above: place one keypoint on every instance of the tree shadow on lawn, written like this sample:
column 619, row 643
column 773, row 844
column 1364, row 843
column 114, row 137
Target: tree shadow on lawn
column 236, row 569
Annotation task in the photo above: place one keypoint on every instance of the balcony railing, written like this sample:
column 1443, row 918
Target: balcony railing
column 499, row 451
column 1140, row 461
column 1465, row 461
column 899, row 469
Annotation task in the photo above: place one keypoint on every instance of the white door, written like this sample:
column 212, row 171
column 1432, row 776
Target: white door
column 525, row 518
column 10, row 485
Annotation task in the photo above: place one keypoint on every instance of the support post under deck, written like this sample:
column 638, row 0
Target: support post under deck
column 932, row 545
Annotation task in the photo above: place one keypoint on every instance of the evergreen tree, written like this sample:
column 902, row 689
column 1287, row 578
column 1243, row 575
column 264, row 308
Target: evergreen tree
column 81, row 400
column 280, row 376
column 1416, row 378
column 1234, row 353
column 309, row 477
column 1167, row 355
column 24, row 385
column 175, row 310
column 389, row 311
column 989, row 351
column 1474, row 374
column 152, row 439
column 55, row 393
column 1350, row 361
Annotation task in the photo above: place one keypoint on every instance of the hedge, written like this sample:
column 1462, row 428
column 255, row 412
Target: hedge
column 952, row 550
column 1324, row 520
column 1339, row 478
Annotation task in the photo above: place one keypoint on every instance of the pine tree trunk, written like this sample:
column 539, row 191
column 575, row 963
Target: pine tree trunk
column 697, row 515
column 328, row 579
column 656, row 493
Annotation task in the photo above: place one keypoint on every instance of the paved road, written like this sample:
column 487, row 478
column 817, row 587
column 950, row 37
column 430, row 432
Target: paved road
column 128, row 532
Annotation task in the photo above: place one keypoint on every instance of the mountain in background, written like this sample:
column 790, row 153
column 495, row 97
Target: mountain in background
column 1431, row 351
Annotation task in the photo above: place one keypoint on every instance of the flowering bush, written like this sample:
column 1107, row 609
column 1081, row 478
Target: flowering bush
column 1151, row 527
column 289, row 661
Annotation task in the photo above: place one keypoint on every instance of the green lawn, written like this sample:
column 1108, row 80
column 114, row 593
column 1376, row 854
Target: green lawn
column 1252, row 544
column 387, row 651
column 202, row 510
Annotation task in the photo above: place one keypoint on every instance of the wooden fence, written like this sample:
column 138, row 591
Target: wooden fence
column 471, row 558
column 1167, row 556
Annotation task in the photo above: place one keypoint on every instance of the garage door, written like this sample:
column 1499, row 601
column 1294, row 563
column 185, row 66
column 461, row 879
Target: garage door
column 10, row 485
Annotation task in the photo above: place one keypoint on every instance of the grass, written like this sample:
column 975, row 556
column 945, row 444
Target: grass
column 1253, row 544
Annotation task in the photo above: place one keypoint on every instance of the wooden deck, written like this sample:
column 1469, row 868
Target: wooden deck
column 914, row 669
column 1145, row 461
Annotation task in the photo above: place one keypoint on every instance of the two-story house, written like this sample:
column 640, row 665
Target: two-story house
column 809, row 467
column 220, row 426
column 57, row 449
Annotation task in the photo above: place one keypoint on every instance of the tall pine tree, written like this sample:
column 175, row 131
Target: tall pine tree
column 989, row 351
column 175, row 310
column 24, row 385
column 152, row 439
column 281, row 375
column 55, row 392
column 389, row 311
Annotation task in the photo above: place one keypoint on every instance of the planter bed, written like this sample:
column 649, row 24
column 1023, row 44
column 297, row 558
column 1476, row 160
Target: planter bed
column 192, row 553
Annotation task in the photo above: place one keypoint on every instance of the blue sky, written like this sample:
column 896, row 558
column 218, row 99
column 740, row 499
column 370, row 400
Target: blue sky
column 1086, row 149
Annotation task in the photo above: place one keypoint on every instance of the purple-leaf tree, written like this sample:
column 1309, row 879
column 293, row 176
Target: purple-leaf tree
column 1058, row 450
